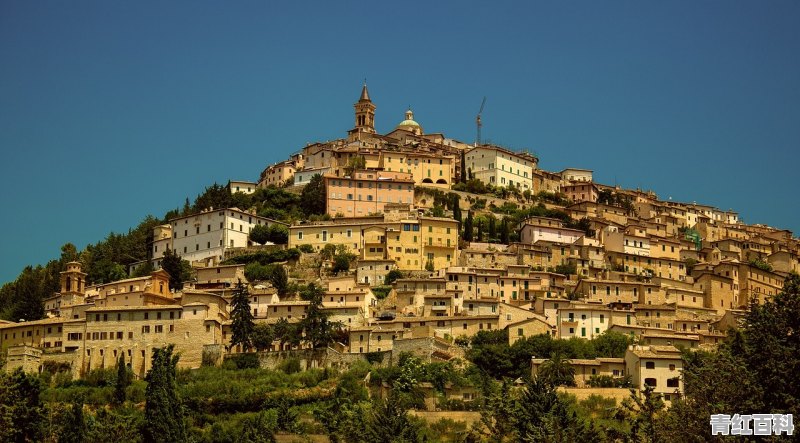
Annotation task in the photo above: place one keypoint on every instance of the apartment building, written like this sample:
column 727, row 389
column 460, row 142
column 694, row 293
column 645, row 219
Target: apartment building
column 204, row 237
column 497, row 166
column 367, row 192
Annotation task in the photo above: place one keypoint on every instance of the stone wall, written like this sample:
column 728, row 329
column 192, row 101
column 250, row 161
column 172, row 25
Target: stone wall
column 317, row 358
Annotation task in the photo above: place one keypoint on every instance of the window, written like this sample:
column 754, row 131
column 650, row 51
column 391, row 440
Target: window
column 650, row 365
column 673, row 382
column 650, row 382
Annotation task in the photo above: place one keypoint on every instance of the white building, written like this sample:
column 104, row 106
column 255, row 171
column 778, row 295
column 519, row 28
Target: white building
column 304, row 177
column 205, row 237
column 578, row 175
column 242, row 186
column 633, row 240
column 548, row 229
column 500, row 167
column 588, row 321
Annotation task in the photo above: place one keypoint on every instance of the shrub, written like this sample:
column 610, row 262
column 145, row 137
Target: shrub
column 374, row 357
column 290, row 365
column 381, row 292
column 245, row 361
column 306, row 248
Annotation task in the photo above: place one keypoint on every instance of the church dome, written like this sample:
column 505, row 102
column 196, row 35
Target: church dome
column 409, row 124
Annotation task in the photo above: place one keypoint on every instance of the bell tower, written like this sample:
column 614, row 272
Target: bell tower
column 365, row 112
column 73, row 281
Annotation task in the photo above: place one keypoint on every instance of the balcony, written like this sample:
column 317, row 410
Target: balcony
column 439, row 244
column 439, row 308
column 569, row 323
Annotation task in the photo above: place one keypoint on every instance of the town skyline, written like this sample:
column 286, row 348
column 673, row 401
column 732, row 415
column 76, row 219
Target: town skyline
column 101, row 98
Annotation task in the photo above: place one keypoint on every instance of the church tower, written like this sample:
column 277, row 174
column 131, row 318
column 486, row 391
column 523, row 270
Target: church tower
column 73, row 281
column 365, row 113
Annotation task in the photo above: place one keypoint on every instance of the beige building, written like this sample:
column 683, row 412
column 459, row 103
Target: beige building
column 425, row 169
column 536, row 325
column 585, row 369
column 278, row 174
column 656, row 366
column 581, row 192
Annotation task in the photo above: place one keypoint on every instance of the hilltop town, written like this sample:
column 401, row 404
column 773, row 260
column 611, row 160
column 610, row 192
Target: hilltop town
column 416, row 243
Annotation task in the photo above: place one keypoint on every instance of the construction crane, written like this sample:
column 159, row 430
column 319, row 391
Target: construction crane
column 478, row 122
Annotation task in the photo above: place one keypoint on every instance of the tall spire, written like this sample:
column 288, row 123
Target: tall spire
column 364, row 93
column 365, row 112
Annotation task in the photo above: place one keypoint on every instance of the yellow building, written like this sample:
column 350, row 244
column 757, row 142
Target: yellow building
column 411, row 241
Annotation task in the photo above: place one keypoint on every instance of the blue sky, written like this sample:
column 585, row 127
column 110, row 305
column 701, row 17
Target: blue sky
column 110, row 111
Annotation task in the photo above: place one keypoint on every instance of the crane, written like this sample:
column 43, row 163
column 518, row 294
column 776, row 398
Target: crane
column 478, row 122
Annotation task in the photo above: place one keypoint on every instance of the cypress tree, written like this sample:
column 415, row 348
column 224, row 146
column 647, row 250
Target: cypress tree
column 242, row 318
column 463, row 168
column 163, row 411
column 123, row 381
column 468, row 227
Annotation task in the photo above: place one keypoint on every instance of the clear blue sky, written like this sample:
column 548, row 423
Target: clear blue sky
column 113, row 110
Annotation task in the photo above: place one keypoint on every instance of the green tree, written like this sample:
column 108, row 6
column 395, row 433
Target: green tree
column 505, row 231
column 492, row 228
column 277, row 276
column 263, row 335
column 390, row 423
column 497, row 413
column 259, row 234
column 278, row 234
column 74, row 428
column 612, row 344
column 312, row 199
column 164, row 414
column 241, row 318
column 21, row 409
column 28, row 296
column 392, row 276
column 770, row 345
column 259, row 428
column 255, row 271
column 287, row 333
column 122, row 382
column 316, row 324
column 541, row 416
column 341, row 262
column 454, row 205
column 468, row 227
column 641, row 410
column 557, row 371
column 463, row 167
column 173, row 265
column 214, row 196
column 714, row 382
column 355, row 163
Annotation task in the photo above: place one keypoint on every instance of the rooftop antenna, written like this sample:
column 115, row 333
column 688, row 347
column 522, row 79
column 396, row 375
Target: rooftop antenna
column 478, row 122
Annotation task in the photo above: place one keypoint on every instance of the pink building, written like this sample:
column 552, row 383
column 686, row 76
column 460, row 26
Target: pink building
column 367, row 192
